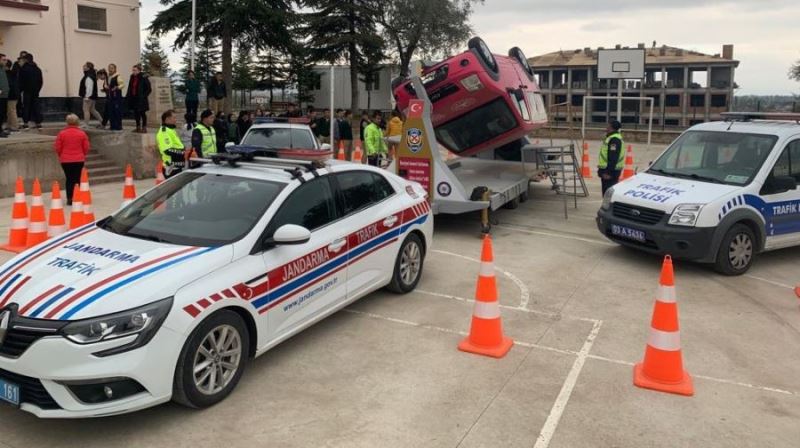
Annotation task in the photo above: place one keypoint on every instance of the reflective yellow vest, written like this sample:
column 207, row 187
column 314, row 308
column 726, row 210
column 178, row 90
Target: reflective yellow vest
column 167, row 139
column 604, row 153
column 209, row 145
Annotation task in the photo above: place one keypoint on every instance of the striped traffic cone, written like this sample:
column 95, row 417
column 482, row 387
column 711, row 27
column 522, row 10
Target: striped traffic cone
column 486, row 333
column 76, row 218
column 86, row 197
column 628, row 171
column 160, row 172
column 341, row 155
column 586, row 170
column 358, row 154
column 18, row 233
column 662, row 368
column 37, row 228
column 129, row 190
column 56, row 224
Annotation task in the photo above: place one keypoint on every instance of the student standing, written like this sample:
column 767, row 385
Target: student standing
column 114, row 93
column 192, row 102
column 88, row 92
column 12, row 75
column 138, row 91
column 72, row 146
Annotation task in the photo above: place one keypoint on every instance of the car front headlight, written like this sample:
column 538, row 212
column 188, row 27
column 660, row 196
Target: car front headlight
column 607, row 199
column 143, row 321
column 685, row 215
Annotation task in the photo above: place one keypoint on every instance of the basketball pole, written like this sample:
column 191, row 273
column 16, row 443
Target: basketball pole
column 619, row 99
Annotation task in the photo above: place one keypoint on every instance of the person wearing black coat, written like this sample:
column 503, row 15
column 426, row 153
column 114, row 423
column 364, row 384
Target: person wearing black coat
column 30, row 84
column 138, row 91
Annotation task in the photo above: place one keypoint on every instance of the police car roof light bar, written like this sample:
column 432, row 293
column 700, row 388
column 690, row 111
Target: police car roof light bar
column 768, row 116
column 291, row 166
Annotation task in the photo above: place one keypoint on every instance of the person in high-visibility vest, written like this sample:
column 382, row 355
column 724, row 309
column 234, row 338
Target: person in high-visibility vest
column 374, row 143
column 170, row 146
column 611, row 161
column 204, row 136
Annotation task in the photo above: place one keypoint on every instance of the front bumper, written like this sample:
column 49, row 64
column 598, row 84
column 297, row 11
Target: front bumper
column 688, row 243
column 53, row 360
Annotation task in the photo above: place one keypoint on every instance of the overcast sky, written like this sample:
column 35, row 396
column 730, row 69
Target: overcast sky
column 765, row 33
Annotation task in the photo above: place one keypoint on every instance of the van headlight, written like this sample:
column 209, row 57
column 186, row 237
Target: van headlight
column 143, row 321
column 607, row 199
column 685, row 215
column 472, row 83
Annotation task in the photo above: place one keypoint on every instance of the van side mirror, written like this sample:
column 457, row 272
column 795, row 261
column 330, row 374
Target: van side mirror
column 229, row 144
column 288, row 234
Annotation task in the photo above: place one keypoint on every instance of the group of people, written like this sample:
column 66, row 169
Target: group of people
column 110, row 83
column 20, row 84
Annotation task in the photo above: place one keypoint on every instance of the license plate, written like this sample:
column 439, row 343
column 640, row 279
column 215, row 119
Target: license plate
column 628, row 233
column 9, row 392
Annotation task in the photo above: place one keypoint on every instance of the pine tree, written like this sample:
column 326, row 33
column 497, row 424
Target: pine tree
column 207, row 61
column 301, row 74
column 243, row 78
column 271, row 71
column 154, row 59
column 340, row 30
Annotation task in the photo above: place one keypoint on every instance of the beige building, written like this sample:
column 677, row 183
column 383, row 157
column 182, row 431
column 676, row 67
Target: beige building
column 687, row 87
column 63, row 34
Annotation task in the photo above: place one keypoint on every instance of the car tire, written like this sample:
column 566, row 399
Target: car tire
column 186, row 390
column 512, row 204
column 517, row 54
column 736, row 251
column 483, row 52
column 408, row 265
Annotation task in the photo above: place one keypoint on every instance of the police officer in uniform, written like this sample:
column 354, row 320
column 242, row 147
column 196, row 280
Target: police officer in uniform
column 204, row 137
column 170, row 146
column 611, row 160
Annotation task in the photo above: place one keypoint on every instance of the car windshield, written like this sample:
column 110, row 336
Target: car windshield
column 280, row 138
column 196, row 209
column 712, row 156
column 477, row 126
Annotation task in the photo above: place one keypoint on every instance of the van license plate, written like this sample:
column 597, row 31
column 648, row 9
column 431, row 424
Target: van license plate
column 9, row 392
column 628, row 233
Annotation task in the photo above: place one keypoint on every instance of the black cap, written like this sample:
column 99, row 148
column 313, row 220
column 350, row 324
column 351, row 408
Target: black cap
column 206, row 113
column 616, row 125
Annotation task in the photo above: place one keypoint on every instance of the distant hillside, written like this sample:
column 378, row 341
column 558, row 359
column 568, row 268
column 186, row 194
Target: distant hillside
column 767, row 103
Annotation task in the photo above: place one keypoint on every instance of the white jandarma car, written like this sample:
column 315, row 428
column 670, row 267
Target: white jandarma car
column 168, row 298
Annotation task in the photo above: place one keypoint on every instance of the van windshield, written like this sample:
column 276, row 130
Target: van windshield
column 718, row 157
column 477, row 126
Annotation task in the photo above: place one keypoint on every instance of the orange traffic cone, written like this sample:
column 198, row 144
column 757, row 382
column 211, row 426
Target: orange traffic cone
column 56, row 224
column 18, row 233
column 486, row 333
column 129, row 190
column 76, row 212
column 662, row 368
column 37, row 228
column 586, row 170
column 358, row 154
column 160, row 172
column 86, row 197
column 797, row 291
column 341, row 155
column 628, row 171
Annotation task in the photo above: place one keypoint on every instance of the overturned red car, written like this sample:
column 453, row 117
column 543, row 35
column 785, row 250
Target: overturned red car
column 481, row 101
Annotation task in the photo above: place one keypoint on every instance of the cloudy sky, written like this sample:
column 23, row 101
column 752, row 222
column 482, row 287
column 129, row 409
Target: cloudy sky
column 765, row 33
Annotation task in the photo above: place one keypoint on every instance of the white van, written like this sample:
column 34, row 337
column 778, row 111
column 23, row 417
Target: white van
column 721, row 193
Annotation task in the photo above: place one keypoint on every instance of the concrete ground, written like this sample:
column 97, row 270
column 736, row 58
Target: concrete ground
column 385, row 372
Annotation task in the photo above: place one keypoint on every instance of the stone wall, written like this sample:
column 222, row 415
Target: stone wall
column 29, row 158
column 126, row 147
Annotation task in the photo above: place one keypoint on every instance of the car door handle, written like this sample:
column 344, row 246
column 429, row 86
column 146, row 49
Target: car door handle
column 390, row 221
column 337, row 245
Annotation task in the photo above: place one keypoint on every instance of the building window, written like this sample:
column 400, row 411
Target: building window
column 374, row 82
column 90, row 18
column 719, row 100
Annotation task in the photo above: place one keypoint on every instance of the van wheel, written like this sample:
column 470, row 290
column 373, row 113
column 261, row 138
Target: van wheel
column 517, row 54
column 736, row 251
column 408, row 266
column 480, row 47
column 512, row 204
column 212, row 361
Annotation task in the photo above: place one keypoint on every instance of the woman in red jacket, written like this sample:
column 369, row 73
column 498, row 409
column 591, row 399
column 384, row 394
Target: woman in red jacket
column 72, row 145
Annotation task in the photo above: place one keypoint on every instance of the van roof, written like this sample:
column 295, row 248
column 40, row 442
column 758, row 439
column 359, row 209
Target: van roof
column 768, row 127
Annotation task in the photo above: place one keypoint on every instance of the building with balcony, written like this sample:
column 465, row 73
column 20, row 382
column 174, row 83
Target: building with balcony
column 64, row 34
column 687, row 87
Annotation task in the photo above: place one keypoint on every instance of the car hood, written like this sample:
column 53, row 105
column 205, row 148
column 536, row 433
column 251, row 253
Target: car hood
column 92, row 272
column 665, row 193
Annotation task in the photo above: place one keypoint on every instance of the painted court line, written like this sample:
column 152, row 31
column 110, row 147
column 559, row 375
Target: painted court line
column 771, row 282
column 524, row 292
column 555, row 235
column 551, row 424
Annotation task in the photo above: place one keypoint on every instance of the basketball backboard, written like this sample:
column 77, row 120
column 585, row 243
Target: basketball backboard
column 620, row 64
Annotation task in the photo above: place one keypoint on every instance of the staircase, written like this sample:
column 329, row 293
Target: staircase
column 102, row 170
column 561, row 163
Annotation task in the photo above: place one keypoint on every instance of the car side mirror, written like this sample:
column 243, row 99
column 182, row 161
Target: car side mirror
column 289, row 234
column 325, row 147
column 230, row 144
